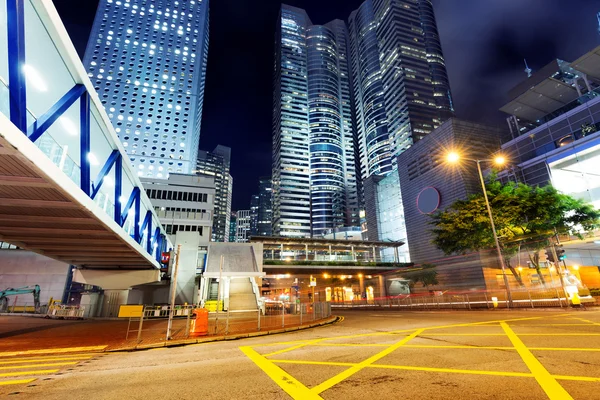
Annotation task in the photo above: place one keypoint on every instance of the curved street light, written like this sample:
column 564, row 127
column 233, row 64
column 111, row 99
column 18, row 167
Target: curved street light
column 453, row 158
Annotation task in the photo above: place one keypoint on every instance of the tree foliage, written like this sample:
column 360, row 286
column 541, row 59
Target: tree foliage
column 526, row 217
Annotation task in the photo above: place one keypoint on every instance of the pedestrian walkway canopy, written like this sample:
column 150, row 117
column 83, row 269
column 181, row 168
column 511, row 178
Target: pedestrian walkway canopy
column 67, row 189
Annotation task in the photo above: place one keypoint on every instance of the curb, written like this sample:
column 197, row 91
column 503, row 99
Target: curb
column 185, row 342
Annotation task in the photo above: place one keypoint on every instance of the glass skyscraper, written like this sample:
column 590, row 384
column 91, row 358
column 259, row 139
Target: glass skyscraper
column 347, row 102
column 260, row 209
column 217, row 164
column 314, row 170
column 400, row 82
column 147, row 61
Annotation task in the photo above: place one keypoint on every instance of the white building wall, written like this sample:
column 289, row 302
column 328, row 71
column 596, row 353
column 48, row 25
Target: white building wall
column 24, row 268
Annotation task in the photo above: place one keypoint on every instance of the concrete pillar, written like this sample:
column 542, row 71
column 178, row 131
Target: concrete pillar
column 396, row 256
column 112, row 301
column 382, row 289
column 272, row 254
column 90, row 302
column 188, row 259
column 306, row 252
column 361, row 284
column 374, row 255
column 329, row 252
column 281, row 251
column 353, row 255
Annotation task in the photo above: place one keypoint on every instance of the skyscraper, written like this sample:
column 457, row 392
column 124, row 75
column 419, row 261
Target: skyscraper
column 388, row 67
column 260, row 209
column 217, row 163
column 314, row 170
column 400, row 86
column 147, row 61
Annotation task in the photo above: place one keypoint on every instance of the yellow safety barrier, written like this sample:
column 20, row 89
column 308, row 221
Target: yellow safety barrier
column 126, row 311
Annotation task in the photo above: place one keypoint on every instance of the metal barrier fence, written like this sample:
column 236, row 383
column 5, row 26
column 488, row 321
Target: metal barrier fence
column 61, row 311
column 151, row 326
column 521, row 298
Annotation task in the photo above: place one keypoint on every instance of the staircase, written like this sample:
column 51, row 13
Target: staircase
column 241, row 296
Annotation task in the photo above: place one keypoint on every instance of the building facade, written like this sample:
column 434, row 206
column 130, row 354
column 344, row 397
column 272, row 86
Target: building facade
column 555, row 128
column 242, row 230
column 348, row 99
column 400, row 83
column 314, row 166
column 265, row 211
column 232, row 226
column 148, row 65
column 217, row 164
column 430, row 184
column 183, row 203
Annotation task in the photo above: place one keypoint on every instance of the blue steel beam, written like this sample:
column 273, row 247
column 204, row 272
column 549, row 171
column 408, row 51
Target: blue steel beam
column 15, row 18
column 45, row 121
column 147, row 222
column 118, row 188
column 103, row 172
column 135, row 193
column 84, row 143
column 155, row 242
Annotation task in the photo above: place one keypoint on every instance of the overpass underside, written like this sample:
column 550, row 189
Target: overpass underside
column 39, row 214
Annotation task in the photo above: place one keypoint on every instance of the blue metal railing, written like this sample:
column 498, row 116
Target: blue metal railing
column 130, row 211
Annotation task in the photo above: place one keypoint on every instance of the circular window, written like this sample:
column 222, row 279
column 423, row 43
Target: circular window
column 428, row 200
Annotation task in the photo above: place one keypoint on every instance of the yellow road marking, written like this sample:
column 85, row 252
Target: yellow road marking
column 292, row 348
column 440, row 370
column 520, row 334
column 419, row 346
column 36, row 359
column 351, row 344
column 44, row 351
column 546, row 381
column 356, row 368
column 17, row 381
column 462, row 334
column 40, row 372
column 587, row 320
column 285, row 381
column 563, row 349
column 37, row 365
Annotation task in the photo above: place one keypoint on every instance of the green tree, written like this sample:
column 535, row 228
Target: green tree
column 526, row 218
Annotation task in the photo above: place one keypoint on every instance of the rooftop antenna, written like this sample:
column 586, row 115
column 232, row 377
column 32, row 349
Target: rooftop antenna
column 528, row 70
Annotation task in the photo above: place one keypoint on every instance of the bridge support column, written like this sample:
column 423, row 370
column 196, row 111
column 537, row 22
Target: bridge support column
column 361, row 284
column 382, row 289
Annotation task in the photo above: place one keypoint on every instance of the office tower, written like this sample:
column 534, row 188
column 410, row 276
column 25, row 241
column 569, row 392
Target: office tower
column 254, row 204
column 400, row 83
column 242, row 232
column 232, row 226
column 314, row 169
column 147, row 61
column 183, row 203
column 265, row 212
column 217, row 163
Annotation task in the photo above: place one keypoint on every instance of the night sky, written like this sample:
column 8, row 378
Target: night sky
column 484, row 43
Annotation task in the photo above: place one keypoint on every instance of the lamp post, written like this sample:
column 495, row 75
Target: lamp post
column 453, row 158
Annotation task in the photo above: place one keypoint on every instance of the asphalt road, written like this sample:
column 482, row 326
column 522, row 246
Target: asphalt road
column 368, row 355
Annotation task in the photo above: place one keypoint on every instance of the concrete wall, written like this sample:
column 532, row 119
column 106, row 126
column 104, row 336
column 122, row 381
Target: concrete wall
column 423, row 165
column 24, row 268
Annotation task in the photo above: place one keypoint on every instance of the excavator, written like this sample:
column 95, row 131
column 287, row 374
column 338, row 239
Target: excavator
column 17, row 291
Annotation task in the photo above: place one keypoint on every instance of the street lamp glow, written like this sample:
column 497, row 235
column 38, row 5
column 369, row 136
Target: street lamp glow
column 452, row 157
column 500, row 160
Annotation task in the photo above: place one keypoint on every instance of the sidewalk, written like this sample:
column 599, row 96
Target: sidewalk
column 22, row 333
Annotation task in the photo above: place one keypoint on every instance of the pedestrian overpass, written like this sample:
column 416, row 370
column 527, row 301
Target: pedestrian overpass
column 67, row 189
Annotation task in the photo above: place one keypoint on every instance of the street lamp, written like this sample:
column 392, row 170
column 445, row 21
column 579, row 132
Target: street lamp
column 454, row 157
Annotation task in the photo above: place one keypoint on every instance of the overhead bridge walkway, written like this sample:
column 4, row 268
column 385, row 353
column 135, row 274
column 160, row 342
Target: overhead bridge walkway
column 67, row 189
